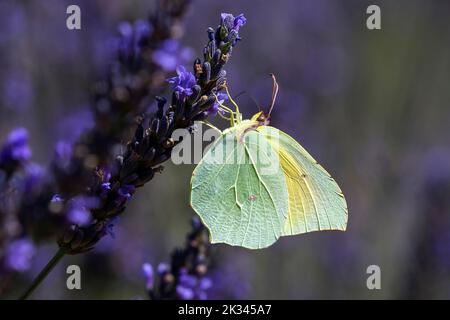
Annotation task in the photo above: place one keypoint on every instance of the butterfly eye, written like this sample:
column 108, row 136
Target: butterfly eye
column 263, row 119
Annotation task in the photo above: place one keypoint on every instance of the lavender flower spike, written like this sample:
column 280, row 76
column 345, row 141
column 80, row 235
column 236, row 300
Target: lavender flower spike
column 151, row 145
column 185, row 277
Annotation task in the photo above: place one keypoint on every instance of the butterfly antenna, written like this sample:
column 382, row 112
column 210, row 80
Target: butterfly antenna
column 239, row 94
column 274, row 92
column 251, row 98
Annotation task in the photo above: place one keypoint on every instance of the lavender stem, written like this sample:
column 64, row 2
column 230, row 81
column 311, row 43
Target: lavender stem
column 44, row 273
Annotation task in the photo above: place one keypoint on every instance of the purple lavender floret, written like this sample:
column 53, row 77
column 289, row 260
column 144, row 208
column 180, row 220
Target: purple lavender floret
column 147, row 269
column 106, row 187
column 125, row 192
column 239, row 21
column 19, row 255
column 231, row 22
column 192, row 287
column 186, row 279
column 79, row 216
column 222, row 97
column 183, row 82
column 79, row 210
column 185, row 293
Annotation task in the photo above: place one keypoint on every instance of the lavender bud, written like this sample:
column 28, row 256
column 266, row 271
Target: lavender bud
column 161, row 103
column 198, row 70
column 129, row 165
column 163, row 126
column 143, row 146
column 175, row 98
column 171, row 115
column 139, row 133
column 206, row 54
column 196, row 91
column 206, row 75
column 212, row 47
column 216, row 56
column 211, row 33
column 150, row 154
column 154, row 126
column 207, row 103
column 221, row 77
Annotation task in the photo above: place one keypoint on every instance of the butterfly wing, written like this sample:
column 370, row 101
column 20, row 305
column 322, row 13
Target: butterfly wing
column 236, row 195
column 315, row 200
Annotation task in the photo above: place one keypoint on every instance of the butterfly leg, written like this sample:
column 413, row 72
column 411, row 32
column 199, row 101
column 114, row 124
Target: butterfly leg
column 226, row 109
column 209, row 124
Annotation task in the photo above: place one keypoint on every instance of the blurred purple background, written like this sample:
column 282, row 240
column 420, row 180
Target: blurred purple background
column 372, row 106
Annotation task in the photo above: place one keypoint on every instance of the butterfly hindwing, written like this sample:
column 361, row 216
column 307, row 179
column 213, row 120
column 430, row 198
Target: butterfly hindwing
column 315, row 200
column 237, row 196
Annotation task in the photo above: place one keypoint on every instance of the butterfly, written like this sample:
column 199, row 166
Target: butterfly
column 256, row 184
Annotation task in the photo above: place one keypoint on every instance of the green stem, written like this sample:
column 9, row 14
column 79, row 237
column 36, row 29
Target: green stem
column 44, row 273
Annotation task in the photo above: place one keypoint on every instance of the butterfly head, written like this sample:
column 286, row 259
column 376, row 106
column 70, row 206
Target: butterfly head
column 262, row 118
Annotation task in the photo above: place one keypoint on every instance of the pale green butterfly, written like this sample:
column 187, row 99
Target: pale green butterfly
column 243, row 203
